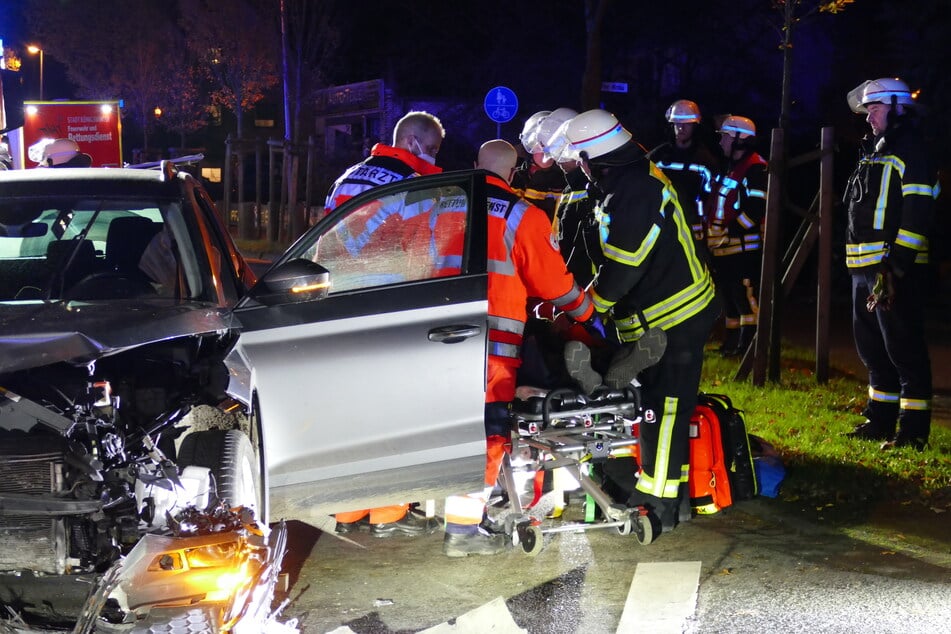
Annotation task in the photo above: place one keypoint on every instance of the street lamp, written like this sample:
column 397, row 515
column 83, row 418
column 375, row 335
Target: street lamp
column 34, row 49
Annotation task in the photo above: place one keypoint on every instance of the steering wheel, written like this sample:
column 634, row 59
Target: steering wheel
column 110, row 285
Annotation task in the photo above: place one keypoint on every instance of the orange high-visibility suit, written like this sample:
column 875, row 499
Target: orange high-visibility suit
column 523, row 261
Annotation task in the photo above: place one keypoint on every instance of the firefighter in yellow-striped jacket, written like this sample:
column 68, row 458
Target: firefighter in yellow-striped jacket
column 735, row 231
column 649, row 278
column 891, row 203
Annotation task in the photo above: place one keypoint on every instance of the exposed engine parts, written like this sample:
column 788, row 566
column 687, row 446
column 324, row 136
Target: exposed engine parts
column 87, row 457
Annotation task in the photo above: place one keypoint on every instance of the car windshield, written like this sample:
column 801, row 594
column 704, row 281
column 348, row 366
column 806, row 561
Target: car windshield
column 78, row 248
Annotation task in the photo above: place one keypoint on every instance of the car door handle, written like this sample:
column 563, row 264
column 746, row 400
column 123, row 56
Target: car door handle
column 453, row 334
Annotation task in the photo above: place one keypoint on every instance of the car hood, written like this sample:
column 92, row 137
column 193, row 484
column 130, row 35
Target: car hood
column 37, row 334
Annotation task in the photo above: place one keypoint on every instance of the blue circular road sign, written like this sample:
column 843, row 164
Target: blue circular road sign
column 501, row 104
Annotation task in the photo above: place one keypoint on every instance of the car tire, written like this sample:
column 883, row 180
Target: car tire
column 228, row 454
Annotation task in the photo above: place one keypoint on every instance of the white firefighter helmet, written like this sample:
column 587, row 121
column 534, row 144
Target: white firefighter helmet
column 59, row 153
column 738, row 127
column 549, row 125
column 558, row 148
column 879, row 91
column 529, row 134
column 595, row 133
column 683, row 111
column 36, row 151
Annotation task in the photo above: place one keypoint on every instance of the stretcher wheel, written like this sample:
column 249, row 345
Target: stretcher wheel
column 643, row 530
column 530, row 539
column 625, row 527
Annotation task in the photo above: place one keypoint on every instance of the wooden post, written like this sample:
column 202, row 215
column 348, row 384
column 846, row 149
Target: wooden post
column 766, row 344
column 226, row 195
column 258, row 173
column 287, row 156
column 824, row 285
column 244, row 215
column 273, row 223
column 309, row 180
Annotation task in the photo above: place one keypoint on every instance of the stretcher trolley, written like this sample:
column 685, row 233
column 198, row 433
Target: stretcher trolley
column 563, row 428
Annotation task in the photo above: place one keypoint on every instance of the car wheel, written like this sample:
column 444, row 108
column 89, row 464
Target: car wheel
column 231, row 459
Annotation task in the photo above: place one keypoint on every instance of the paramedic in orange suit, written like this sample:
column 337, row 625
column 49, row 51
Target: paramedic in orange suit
column 523, row 261
column 416, row 141
column 417, row 138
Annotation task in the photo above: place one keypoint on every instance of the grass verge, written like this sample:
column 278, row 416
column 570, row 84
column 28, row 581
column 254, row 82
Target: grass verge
column 806, row 422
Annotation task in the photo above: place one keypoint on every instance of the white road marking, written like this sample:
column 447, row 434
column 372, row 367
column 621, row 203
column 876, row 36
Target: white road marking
column 662, row 597
column 493, row 617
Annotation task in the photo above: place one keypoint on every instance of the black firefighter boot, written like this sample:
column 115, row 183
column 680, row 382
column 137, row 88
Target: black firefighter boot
column 731, row 342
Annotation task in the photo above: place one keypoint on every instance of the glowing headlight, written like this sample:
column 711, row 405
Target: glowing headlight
column 211, row 556
column 228, row 582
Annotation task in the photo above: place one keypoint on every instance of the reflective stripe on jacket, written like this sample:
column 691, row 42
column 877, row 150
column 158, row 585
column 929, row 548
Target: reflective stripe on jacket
column 651, row 268
column 891, row 199
column 738, row 207
column 541, row 187
column 386, row 164
column 691, row 172
column 524, row 261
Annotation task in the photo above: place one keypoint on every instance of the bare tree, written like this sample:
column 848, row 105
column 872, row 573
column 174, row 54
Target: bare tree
column 237, row 45
column 308, row 41
column 794, row 13
column 130, row 63
column 594, row 13
column 185, row 106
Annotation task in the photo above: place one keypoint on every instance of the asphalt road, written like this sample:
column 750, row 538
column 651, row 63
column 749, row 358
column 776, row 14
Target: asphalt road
column 762, row 566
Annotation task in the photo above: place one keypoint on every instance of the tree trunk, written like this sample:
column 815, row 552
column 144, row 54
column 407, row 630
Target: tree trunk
column 788, row 24
column 595, row 11
column 145, row 134
column 239, row 115
column 292, row 78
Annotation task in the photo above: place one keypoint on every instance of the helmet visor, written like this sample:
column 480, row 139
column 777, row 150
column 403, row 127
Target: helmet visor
column 855, row 97
column 559, row 148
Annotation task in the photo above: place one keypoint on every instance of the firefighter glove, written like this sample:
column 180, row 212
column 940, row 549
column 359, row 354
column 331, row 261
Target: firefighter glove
column 883, row 291
column 595, row 327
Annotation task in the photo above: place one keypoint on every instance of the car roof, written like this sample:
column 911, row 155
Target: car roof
column 105, row 181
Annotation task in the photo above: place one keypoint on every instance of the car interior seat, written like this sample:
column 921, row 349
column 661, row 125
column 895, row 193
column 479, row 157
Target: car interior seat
column 121, row 277
column 65, row 272
column 126, row 240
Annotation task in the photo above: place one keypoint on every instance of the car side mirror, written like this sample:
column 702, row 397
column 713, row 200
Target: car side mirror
column 292, row 282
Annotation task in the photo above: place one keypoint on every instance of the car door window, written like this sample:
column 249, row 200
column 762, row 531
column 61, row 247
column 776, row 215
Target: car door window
column 402, row 237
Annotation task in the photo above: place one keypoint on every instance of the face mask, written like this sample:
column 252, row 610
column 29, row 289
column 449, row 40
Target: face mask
column 421, row 153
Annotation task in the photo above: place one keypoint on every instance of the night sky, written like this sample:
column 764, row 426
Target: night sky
column 723, row 54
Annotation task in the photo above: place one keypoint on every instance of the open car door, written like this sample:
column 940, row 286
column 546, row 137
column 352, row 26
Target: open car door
column 367, row 343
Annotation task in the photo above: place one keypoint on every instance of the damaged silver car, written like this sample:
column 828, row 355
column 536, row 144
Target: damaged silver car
column 116, row 289
column 148, row 382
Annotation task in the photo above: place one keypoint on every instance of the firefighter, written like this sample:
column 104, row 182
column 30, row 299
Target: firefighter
column 891, row 207
column 417, row 137
column 737, row 208
column 544, row 184
column 689, row 164
column 650, row 278
column 539, row 181
column 524, row 261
